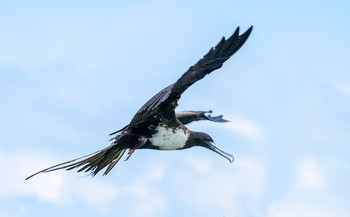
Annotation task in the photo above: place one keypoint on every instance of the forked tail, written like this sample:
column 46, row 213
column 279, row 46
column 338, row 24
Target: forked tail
column 91, row 163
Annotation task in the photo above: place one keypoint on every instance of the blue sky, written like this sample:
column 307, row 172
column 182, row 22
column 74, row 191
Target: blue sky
column 73, row 71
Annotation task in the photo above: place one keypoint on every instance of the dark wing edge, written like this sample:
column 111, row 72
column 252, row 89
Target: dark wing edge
column 213, row 60
column 186, row 117
column 165, row 101
column 119, row 131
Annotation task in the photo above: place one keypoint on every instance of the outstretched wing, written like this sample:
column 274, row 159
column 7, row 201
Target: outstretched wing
column 162, row 105
column 186, row 117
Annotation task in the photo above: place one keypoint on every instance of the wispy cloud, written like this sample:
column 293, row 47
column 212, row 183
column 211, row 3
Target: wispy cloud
column 309, row 174
column 238, row 124
column 244, row 126
column 16, row 166
column 343, row 88
column 305, row 207
column 53, row 187
column 140, row 191
column 221, row 188
column 311, row 193
column 61, row 189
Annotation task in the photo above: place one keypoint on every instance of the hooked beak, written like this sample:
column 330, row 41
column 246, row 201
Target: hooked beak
column 213, row 147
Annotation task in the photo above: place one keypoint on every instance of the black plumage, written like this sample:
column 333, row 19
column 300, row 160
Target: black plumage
column 157, row 119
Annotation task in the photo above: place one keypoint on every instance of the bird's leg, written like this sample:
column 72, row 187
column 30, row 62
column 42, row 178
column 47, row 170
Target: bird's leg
column 130, row 153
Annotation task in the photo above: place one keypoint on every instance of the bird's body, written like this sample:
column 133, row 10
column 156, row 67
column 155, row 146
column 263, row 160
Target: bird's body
column 156, row 125
column 167, row 138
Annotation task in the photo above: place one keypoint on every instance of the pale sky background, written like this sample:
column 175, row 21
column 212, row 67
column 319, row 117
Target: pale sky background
column 71, row 72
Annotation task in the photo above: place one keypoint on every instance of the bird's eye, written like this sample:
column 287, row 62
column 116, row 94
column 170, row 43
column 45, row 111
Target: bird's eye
column 208, row 139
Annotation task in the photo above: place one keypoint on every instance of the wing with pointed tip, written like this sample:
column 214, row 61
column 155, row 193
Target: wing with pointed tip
column 162, row 105
column 186, row 117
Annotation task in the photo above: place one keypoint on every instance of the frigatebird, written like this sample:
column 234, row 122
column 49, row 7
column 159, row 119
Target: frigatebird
column 156, row 125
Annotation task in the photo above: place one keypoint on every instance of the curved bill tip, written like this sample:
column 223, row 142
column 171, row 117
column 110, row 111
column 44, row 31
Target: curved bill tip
column 224, row 154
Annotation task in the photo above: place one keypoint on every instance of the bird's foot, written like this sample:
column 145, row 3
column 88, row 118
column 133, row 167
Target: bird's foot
column 130, row 153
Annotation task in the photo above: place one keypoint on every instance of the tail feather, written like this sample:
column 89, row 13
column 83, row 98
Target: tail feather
column 114, row 161
column 93, row 162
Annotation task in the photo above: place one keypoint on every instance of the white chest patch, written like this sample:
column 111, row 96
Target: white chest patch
column 169, row 139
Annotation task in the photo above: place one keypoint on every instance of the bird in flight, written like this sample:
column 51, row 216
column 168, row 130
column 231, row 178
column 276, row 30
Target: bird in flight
column 156, row 125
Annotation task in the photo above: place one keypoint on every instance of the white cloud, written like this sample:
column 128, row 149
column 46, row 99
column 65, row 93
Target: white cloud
column 142, row 193
column 51, row 187
column 225, row 189
column 312, row 194
column 139, row 185
column 62, row 189
column 343, row 88
column 244, row 127
column 239, row 125
column 305, row 206
column 16, row 167
column 309, row 174
column 200, row 165
column 96, row 193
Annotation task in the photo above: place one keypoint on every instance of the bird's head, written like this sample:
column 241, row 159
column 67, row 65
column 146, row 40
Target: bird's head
column 204, row 140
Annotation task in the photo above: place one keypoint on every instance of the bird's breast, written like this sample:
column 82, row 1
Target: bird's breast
column 168, row 138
